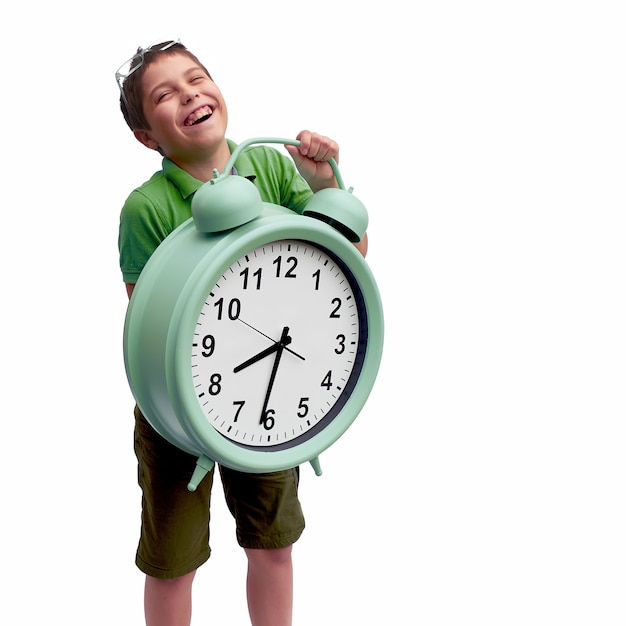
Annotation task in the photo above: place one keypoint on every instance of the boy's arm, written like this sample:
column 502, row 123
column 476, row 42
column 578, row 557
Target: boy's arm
column 131, row 286
column 362, row 245
column 311, row 158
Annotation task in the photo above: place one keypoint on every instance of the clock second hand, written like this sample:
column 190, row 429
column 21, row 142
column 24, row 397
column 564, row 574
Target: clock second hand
column 285, row 339
column 274, row 347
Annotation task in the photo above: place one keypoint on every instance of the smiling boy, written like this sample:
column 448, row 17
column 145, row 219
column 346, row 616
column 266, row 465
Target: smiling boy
column 173, row 106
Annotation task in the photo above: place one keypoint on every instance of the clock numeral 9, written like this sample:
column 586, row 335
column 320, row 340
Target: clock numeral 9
column 234, row 308
column 208, row 345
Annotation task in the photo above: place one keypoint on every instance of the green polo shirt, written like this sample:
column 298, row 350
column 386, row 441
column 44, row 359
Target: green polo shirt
column 153, row 210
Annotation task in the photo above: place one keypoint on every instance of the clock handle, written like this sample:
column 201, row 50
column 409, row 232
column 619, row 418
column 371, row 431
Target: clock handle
column 239, row 201
column 283, row 141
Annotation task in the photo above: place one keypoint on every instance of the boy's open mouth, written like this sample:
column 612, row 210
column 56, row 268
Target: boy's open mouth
column 199, row 115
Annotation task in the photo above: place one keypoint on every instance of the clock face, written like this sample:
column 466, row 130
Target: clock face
column 279, row 345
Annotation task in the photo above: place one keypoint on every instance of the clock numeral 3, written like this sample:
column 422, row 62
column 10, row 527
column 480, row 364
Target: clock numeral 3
column 341, row 340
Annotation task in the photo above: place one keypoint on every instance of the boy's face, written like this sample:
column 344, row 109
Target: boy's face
column 184, row 107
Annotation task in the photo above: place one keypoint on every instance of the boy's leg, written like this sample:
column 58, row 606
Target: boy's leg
column 167, row 602
column 269, row 520
column 270, row 586
column 174, row 538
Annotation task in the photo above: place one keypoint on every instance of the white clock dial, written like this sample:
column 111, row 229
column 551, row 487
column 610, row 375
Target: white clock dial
column 278, row 345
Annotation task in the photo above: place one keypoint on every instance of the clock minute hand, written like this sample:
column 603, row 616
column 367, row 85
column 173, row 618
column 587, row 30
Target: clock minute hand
column 285, row 340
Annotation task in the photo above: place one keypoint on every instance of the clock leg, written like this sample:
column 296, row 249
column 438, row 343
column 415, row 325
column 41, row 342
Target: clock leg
column 203, row 466
column 316, row 466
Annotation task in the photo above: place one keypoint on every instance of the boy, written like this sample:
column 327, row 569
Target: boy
column 172, row 105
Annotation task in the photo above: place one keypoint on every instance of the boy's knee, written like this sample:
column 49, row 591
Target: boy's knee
column 164, row 584
column 270, row 557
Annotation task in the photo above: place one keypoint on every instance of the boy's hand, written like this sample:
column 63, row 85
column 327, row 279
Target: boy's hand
column 311, row 158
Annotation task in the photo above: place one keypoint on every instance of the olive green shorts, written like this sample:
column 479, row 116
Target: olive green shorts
column 174, row 536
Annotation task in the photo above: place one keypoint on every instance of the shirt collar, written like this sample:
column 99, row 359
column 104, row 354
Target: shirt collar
column 188, row 185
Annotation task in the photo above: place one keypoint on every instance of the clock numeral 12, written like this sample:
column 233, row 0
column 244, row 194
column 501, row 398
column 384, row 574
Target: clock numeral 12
column 290, row 273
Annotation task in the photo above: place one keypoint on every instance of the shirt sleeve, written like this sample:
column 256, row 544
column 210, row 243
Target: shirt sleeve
column 276, row 177
column 141, row 230
column 295, row 192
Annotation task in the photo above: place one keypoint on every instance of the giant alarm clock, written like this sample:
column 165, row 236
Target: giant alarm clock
column 254, row 334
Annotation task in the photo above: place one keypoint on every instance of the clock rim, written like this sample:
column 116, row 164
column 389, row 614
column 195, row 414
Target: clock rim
column 234, row 245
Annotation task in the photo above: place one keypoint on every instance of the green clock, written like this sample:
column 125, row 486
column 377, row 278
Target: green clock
column 254, row 334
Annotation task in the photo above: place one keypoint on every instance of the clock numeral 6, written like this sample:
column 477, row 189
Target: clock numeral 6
column 268, row 419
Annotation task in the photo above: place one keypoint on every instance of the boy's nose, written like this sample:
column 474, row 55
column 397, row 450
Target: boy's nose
column 189, row 96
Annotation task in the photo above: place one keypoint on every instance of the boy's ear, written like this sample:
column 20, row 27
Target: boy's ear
column 146, row 139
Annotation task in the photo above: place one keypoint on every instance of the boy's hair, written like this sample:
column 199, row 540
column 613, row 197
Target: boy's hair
column 131, row 96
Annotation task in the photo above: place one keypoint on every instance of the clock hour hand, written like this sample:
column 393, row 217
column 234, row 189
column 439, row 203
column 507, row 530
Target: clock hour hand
column 257, row 357
column 285, row 339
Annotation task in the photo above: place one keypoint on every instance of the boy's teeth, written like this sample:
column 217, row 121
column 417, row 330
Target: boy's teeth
column 198, row 115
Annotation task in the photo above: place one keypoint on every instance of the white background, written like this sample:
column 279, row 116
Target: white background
column 484, row 481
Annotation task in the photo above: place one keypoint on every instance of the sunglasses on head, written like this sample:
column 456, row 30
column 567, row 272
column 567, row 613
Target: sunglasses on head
column 136, row 61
